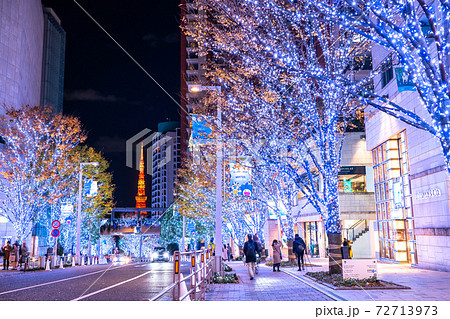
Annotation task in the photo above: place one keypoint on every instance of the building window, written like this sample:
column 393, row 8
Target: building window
column 393, row 201
column 352, row 179
column 387, row 75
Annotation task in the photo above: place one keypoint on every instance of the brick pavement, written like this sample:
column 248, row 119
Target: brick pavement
column 426, row 285
column 266, row 286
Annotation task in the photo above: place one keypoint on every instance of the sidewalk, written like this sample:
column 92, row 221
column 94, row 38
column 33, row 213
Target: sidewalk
column 267, row 285
column 290, row 284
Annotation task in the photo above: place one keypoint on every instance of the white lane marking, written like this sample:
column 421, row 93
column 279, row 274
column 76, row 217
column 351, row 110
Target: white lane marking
column 115, row 285
column 56, row 281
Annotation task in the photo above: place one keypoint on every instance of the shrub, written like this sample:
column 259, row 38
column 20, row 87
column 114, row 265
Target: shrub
column 338, row 281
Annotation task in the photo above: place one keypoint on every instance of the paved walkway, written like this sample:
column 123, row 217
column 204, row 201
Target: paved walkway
column 267, row 285
column 290, row 284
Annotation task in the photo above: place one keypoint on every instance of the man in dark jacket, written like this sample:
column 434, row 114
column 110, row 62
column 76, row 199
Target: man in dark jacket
column 299, row 248
column 7, row 250
column 250, row 251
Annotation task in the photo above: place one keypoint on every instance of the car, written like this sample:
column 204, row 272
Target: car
column 159, row 254
column 121, row 259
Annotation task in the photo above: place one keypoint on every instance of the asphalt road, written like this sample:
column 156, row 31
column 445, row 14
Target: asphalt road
column 128, row 282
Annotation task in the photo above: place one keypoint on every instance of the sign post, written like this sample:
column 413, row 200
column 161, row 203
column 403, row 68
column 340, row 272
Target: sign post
column 359, row 268
column 55, row 233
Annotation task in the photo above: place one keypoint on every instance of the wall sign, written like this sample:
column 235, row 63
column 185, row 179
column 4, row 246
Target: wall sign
column 352, row 170
column 433, row 192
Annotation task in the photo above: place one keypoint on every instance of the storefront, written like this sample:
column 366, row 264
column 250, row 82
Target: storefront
column 310, row 235
column 394, row 201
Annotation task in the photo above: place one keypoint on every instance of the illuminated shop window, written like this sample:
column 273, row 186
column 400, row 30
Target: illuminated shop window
column 393, row 200
column 352, row 179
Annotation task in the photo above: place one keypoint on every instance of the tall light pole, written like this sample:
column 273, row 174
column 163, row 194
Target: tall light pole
column 80, row 186
column 219, row 158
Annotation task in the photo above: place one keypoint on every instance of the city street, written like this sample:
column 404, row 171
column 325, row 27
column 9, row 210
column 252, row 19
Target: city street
column 129, row 282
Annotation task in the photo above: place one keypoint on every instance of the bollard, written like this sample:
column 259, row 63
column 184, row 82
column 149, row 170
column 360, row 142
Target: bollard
column 73, row 261
column 47, row 267
column 82, row 260
column 183, row 289
column 61, row 263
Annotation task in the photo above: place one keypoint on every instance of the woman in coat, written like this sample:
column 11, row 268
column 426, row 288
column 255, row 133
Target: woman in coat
column 23, row 255
column 7, row 251
column 14, row 257
column 276, row 251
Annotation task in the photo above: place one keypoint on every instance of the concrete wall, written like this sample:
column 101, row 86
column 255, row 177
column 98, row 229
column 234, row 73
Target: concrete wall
column 21, row 43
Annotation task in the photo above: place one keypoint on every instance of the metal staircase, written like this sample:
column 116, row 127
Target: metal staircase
column 356, row 230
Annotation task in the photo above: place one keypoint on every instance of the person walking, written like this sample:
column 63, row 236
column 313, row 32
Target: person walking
column 7, row 251
column 224, row 253
column 14, row 256
column 229, row 253
column 258, row 244
column 23, row 255
column 276, row 252
column 299, row 248
column 250, row 251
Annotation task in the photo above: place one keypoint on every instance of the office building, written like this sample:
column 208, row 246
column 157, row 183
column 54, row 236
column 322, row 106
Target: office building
column 165, row 163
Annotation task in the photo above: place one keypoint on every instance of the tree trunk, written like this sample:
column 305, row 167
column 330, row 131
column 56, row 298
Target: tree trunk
column 333, row 226
column 334, row 253
column 291, row 255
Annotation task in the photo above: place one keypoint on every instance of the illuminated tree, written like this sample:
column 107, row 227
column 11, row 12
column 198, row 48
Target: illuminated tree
column 94, row 209
column 34, row 162
column 415, row 35
column 267, row 56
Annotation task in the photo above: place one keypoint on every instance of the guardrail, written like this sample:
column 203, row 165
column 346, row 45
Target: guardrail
column 196, row 283
column 41, row 261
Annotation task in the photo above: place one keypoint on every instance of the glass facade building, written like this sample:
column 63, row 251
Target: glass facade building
column 53, row 57
column 394, row 201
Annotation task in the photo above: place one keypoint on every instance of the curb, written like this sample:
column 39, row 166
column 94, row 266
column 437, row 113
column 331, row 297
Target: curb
column 313, row 285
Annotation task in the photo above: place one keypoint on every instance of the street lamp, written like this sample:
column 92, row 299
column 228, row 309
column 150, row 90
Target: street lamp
column 80, row 186
column 219, row 158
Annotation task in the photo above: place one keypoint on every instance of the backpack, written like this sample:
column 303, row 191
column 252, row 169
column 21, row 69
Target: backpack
column 299, row 246
column 251, row 250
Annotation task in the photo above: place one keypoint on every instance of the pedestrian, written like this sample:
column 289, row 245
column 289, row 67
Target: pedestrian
column 224, row 253
column 277, row 256
column 258, row 242
column 7, row 251
column 229, row 253
column 24, row 255
column 250, row 251
column 350, row 250
column 212, row 247
column 299, row 248
column 14, row 256
column 345, row 243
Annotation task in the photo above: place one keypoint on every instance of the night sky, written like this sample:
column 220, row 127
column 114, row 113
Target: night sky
column 104, row 88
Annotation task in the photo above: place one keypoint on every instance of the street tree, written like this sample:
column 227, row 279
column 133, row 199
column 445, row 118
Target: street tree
column 265, row 53
column 34, row 162
column 415, row 35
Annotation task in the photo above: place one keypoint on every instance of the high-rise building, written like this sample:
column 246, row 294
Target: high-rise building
column 165, row 161
column 194, row 83
column 32, row 50
column 21, row 42
column 54, row 49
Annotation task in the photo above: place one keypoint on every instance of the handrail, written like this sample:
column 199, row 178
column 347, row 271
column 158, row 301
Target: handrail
column 199, row 278
column 356, row 228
